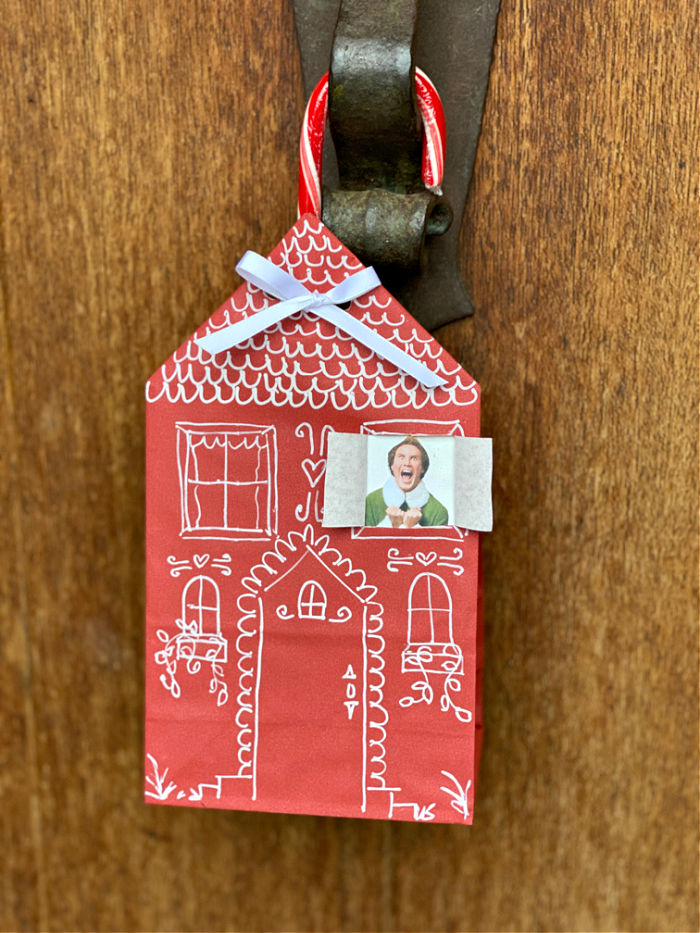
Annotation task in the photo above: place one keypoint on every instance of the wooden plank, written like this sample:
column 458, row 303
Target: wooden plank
column 145, row 147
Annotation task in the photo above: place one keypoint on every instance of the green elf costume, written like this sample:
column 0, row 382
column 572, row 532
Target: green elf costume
column 377, row 502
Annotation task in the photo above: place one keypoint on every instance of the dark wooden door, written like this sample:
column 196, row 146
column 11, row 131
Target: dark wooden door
column 144, row 147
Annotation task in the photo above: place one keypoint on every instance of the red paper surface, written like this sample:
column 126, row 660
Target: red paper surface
column 292, row 668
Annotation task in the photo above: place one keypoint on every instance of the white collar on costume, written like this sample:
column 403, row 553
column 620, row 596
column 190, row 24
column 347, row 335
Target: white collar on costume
column 415, row 499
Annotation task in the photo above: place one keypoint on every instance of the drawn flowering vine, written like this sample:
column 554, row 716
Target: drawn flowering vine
column 183, row 647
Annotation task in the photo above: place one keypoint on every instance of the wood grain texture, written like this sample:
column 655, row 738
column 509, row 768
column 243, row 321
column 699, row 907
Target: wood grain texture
column 144, row 147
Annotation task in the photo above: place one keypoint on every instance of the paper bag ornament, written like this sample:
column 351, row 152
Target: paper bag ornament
column 292, row 667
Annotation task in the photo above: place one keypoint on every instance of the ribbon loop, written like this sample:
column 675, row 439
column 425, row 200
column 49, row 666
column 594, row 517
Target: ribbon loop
column 268, row 277
column 354, row 286
column 294, row 297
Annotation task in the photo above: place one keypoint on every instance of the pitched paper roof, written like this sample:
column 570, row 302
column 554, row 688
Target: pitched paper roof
column 304, row 360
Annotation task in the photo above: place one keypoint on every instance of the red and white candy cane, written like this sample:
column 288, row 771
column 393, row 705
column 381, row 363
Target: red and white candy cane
column 313, row 129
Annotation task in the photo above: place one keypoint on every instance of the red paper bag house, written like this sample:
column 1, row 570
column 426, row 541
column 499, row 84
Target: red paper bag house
column 292, row 667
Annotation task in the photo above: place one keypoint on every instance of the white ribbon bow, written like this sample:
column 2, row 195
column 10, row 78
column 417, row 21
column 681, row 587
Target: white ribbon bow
column 294, row 296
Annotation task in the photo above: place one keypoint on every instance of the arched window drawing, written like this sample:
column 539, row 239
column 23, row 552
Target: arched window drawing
column 198, row 639
column 201, row 607
column 430, row 642
column 312, row 601
column 429, row 611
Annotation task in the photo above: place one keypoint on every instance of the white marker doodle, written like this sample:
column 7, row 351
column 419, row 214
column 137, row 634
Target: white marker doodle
column 421, row 814
column 459, row 796
column 351, row 703
column 197, row 641
column 396, row 560
column 305, row 428
column 430, row 647
column 160, row 791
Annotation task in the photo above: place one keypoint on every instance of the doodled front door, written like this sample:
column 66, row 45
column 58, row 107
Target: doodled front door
column 311, row 691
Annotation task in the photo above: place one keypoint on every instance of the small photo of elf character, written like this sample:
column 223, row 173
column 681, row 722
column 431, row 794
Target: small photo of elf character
column 405, row 500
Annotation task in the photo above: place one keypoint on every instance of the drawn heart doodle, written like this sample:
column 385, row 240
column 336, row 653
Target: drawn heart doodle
column 426, row 559
column 314, row 470
column 200, row 560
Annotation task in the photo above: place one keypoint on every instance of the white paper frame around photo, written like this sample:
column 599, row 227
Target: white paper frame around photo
column 345, row 489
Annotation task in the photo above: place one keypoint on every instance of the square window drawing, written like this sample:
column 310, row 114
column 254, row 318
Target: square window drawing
column 228, row 481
